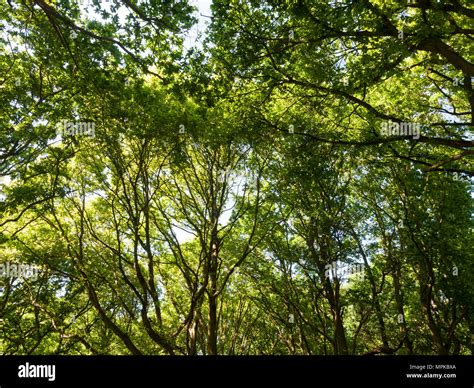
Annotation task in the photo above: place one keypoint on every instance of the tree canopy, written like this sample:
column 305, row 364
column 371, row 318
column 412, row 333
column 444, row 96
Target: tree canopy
column 299, row 181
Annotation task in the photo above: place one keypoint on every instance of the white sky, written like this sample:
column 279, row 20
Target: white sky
column 204, row 9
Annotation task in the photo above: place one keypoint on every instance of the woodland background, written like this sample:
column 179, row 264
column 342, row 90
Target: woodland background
column 221, row 179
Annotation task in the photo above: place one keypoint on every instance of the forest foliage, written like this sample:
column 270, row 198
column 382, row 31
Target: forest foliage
column 298, row 183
